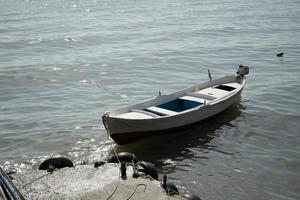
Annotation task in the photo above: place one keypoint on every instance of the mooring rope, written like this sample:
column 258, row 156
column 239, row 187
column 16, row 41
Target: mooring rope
column 119, row 181
column 140, row 184
column 118, row 177
column 112, row 91
column 34, row 180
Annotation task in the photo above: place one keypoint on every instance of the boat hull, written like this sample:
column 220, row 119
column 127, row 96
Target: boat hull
column 124, row 131
column 129, row 137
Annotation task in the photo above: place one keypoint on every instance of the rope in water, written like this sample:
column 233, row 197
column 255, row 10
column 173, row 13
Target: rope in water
column 112, row 91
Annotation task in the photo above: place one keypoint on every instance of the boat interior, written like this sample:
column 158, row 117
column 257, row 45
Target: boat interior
column 193, row 99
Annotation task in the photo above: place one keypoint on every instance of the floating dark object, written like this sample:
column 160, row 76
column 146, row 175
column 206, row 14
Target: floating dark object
column 280, row 54
column 147, row 168
column 191, row 196
column 55, row 163
column 123, row 157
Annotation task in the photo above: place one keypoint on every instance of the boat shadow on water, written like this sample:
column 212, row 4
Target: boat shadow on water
column 178, row 145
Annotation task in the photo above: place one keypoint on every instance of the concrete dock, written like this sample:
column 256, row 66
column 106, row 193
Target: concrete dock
column 88, row 182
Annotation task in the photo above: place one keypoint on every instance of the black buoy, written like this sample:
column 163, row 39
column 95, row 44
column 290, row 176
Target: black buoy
column 191, row 196
column 122, row 157
column 280, row 54
column 55, row 163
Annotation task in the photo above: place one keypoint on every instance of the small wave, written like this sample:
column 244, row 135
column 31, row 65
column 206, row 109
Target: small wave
column 124, row 96
column 70, row 39
column 78, row 70
column 87, row 127
column 237, row 170
column 169, row 162
column 56, row 69
column 36, row 41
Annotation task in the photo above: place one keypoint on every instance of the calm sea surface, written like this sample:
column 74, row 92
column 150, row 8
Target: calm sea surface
column 63, row 63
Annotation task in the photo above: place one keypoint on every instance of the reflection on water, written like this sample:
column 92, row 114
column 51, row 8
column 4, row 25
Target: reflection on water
column 184, row 145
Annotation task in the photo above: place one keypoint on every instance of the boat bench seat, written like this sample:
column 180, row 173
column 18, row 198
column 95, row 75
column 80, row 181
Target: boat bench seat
column 203, row 96
column 214, row 92
column 135, row 115
column 161, row 111
column 192, row 98
column 145, row 112
column 234, row 85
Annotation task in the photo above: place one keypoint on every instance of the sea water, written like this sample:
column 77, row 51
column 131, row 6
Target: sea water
column 63, row 63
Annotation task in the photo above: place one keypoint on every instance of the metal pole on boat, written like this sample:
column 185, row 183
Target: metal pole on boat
column 209, row 75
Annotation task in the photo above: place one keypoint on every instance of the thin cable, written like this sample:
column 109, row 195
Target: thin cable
column 118, row 177
column 114, row 92
column 141, row 184
column 120, row 181
column 38, row 178
column 117, row 155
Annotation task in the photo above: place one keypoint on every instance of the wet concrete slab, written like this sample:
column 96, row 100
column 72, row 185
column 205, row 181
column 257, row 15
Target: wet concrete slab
column 87, row 182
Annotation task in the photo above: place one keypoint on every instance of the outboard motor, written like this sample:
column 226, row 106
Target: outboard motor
column 243, row 70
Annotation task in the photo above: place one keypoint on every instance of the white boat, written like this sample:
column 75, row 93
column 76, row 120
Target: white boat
column 176, row 110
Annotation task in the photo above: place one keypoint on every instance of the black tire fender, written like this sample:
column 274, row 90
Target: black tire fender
column 147, row 168
column 55, row 163
column 123, row 157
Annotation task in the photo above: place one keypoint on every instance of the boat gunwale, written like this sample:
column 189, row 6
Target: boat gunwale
column 194, row 109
